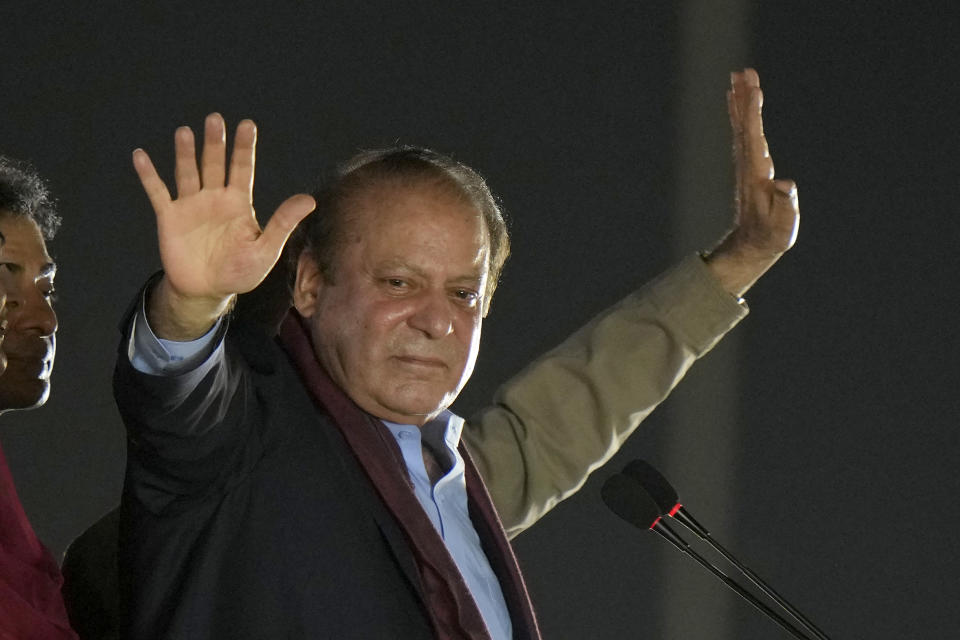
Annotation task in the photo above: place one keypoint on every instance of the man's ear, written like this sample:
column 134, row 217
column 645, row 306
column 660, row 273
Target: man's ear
column 306, row 285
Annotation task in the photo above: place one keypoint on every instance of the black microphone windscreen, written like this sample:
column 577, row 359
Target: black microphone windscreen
column 660, row 490
column 627, row 499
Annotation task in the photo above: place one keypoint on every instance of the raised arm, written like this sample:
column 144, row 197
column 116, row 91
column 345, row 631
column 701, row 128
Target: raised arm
column 571, row 409
column 211, row 246
column 767, row 212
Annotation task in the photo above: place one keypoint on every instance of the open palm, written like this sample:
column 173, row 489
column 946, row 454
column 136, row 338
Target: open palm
column 211, row 245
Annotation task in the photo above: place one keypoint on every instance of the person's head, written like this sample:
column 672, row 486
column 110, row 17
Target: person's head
column 27, row 219
column 396, row 268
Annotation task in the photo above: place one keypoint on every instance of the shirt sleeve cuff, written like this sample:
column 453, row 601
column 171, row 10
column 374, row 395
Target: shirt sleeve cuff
column 156, row 356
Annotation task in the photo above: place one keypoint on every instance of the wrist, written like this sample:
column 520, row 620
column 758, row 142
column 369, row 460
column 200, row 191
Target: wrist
column 175, row 316
column 737, row 271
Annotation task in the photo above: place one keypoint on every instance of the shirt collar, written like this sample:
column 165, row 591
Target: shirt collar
column 443, row 431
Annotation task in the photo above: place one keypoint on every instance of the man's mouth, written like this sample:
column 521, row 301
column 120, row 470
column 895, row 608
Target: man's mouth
column 422, row 361
column 42, row 357
column 29, row 351
column 35, row 366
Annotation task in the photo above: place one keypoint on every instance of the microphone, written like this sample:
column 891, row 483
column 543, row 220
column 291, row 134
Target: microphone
column 626, row 498
column 660, row 491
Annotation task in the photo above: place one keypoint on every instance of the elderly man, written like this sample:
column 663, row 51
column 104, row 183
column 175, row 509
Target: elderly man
column 31, row 605
column 316, row 485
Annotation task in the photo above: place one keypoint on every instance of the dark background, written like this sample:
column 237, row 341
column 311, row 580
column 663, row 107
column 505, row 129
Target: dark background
column 818, row 441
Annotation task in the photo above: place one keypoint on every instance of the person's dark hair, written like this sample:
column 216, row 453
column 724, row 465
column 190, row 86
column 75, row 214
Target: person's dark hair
column 24, row 193
column 322, row 233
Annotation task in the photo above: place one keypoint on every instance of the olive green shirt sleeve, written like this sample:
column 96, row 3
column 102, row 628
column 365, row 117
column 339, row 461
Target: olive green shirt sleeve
column 569, row 411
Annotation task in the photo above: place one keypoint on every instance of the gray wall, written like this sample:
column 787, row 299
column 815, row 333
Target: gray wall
column 837, row 472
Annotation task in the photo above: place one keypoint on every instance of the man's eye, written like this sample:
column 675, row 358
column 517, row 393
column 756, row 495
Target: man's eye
column 466, row 294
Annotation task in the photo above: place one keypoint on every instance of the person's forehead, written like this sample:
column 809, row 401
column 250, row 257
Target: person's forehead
column 24, row 241
column 388, row 204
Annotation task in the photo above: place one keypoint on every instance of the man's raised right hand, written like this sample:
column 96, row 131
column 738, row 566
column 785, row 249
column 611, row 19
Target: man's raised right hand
column 211, row 246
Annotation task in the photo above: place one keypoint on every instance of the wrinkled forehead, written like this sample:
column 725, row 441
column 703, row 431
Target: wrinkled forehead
column 390, row 201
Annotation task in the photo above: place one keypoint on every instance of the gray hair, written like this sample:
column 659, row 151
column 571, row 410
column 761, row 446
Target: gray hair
column 322, row 232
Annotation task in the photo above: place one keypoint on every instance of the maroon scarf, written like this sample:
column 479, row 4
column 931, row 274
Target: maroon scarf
column 451, row 607
column 31, row 605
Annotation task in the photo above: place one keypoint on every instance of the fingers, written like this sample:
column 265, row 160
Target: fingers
column 738, row 159
column 745, row 103
column 742, row 87
column 284, row 220
column 734, row 112
column 759, row 162
column 748, row 78
column 244, row 157
column 188, row 178
column 787, row 193
column 152, row 184
column 785, row 206
column 741, row 84
column 213, row 159
column 786, row 188
column 185, row 171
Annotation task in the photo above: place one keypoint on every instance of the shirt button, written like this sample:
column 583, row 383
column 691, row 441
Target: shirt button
column 405, row 435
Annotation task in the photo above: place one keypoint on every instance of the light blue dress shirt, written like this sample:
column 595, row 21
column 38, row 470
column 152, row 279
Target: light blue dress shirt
column 445, row 503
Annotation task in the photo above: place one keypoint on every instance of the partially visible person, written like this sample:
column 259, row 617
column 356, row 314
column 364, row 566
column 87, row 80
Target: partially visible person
column 31, row 604
column 27, row 220
column 3, row 314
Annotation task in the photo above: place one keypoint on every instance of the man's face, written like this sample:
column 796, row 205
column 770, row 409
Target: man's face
column 399, row 325
column 26, row 275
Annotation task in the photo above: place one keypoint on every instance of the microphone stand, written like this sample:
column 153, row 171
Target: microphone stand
column 690, row 523
column 671, row 536
column 660, row 491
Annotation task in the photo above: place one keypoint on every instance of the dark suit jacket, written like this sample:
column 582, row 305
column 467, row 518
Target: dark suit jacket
column 215, row 463
column 244, row 511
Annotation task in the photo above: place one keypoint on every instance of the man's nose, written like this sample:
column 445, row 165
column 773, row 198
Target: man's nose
column 31, row 310
column 433, row 315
